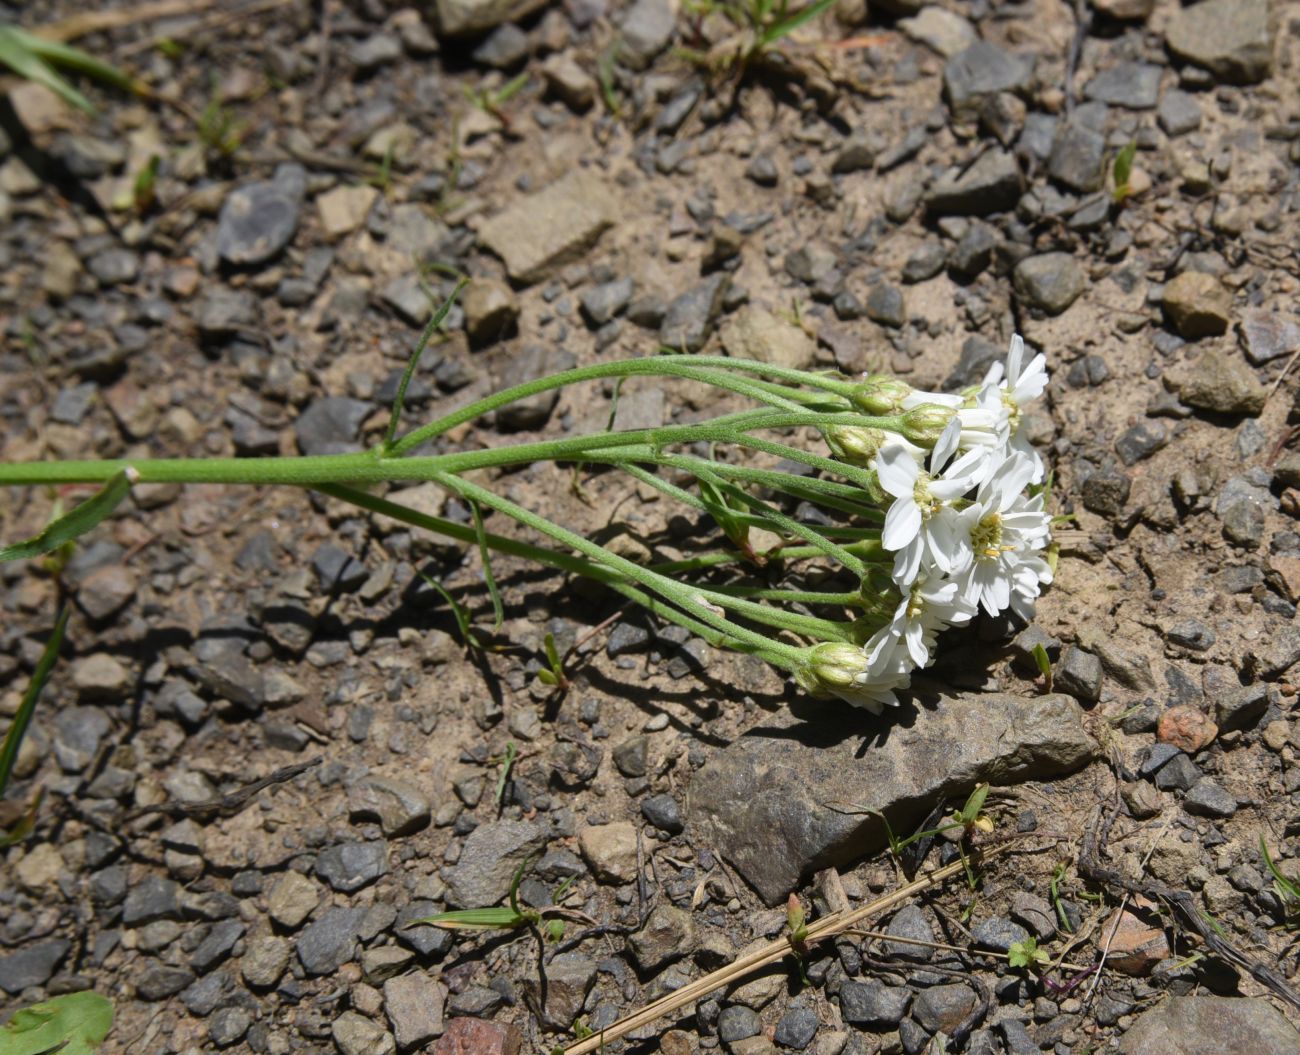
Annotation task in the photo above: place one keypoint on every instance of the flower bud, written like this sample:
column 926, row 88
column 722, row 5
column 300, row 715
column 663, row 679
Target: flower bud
column 854, row 444
column 880, row 394
column 880, row 596
column 834, row 667
column 924, row 425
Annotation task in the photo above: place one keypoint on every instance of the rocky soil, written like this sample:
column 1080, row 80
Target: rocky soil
column 897, row 189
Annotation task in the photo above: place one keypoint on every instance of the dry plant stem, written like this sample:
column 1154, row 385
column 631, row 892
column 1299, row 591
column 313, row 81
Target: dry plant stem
column 880, row 935
column 828, row 927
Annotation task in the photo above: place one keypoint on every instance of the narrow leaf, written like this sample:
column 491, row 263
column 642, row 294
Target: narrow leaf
column 390, row 437
column 76, row 523
column 498, row 609
column 474, row 918
column 18, row 728
column 20, row 58
column 788, row 25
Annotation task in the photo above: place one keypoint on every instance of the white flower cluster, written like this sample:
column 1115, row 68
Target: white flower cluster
column 963, row 531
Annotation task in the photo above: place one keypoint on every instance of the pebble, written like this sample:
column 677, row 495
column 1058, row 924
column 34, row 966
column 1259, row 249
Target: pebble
column 293, row 898
column 924, row 262
column 738, row 1022
column 755, row 333
column 357, row 1035
column 668, row 935
column 400, row 807
column 1106, row 492
column 32, row 965
column 1079, row 674
column 602, row 303
column 351, row 866
column 610, row 851
column 941, row 1008
column 503, row 48
column 1205, row 1023
column 228, row 1025
column 1050, row 281
column 1179, row 113
column 1269, row 335
column 331, row 425
column 631, row 757
column 1198, row 305
column 265, row 960
column 688, row 319
column 258, row 220
column 1141, row 441
column 992, row 184
column 1134, row 85
column 645, row 31
column 330, row 941
column 982, row 70
column 873, row 1004
column 1233, row 39
column 1078, row 157
column 344, row 209
column 943, row 31
column 663, row 812
column 796, row 1028
column 489, row 858
column 413, row 1004
column 105, row 592
column 533, row 362
column 998, row 933
column 1218, row 381
column 1208, row 799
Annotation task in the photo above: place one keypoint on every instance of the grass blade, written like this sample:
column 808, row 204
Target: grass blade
column 788, row 25
column 498, row 609
column 18, row 728
column 390, row 437
column 473, row 918
column 76, row 523
column 17, row 54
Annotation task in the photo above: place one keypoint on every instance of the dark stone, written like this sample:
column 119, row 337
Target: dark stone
column 885, row 305
column 992, row 184
column 1179, row 773
column 1105, row 492
column 689, row 318
column 1205, row 798
column 1191, row 633
column 425, row 940
column 329, row 942
column 337, row 569
column 1134, row 85
column 218, row 944
column 1079, row 674
column 158, row 981
column 32, row 966
column 663, row 812
column 258, row 220
column 533, row 362
column 998, row 933
column 941, row 1008
column 873, row 1004
column 1078, row 157
column 350, row 866
column 926, row 261
column 738, row 1022
column 762, row 170
column 152, row 898
column 1179, row 113
column 601, row 303
column 973, row 253
column 330, row 425
column 982, row 70
column 796, row 1028
column 632, row 756
column 1050, row 281
column 977, row 355
column 1141, row 441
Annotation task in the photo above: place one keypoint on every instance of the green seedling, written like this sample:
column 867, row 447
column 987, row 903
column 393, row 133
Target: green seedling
column 383, row 177
column 553, row 673
column 606, row 64
column 1122, row 170
column 1044, row 664
column 1055, row 886
column 71, row 1024
column 548, row 922
column 1287, row 889
column 493, row 101
column 760, row 26
column 797, row 923
column 218, row 128
column 39, row 60
column 468, row 635
column 1027, row 954
column 503, row 773
column 144, row 189
column 16, row 828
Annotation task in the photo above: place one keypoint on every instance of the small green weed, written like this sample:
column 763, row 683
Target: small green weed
column 39, row 60
column 71, row 1024
column 1288, row 890
column 1122, row 170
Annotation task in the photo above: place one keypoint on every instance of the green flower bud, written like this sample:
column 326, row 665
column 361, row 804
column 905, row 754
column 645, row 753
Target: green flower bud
column 924, row 425
column 833, row 667
column 880, row 596
column 880, row 395
column 854, row 444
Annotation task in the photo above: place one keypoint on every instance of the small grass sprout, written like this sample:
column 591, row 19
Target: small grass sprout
column 1287, row 889
column 39, row 60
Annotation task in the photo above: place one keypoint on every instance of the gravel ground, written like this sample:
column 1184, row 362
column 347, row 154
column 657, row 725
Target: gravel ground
column 898, row 189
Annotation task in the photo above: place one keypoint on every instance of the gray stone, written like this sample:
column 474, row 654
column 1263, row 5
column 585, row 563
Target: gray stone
column 228, row 1026
column 556, row 226
column 206, row 994
column 375, row 51
column 911, row 921
column 1268, row 335
column 337, row 570
column 646, row 30
column 811, row 262
column 1205, row 798
column 1050, row 281
column 350, row 866
column 1106, row 492
column 762, row 170
column 490, row 311
column 1141, row 441
column 218, row 945
column 858, row 153
column 972, row 253
column 330, row 425
column 569, row 978
column 400, row 808
column 668, row 934
column 414, row 1005
column 941, row 30
column 1134, row 85
column 942, row 1008
column 925, row 261
column 505, row 46
column 152, row 898
column 258, row 220
column 114, row 266
column 982, row 70
column 533, row 362
column 488, row 861
column 354, row 1034
column 738, row 1022
column 33, row 965
column 460, row 17
column 407, row 296
column 1180, row 773
column 631, row 757
column 1233, row 39
column 1218, row 381
column 1034, row 913
column 663, row 812
column 158, row 981
column 1078, row 157
column 755, row 333
column 1209, row 1025
column 886, row 306
column 426, row 940
column 1179, row 113
column 873, row 1004
column 1191, row 633
column 796, row 1028
column 1198, row 305
column 601, row 303
column 331, row 941
column 761, row 800
column 224, row 311
column 689, row 318
column 998, row 933
column 106, row 591
column 992, row 184
column 1079, row 673
column 78, row 732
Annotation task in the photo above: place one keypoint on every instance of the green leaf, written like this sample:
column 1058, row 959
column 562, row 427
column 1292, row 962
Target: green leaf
column 469, row 919
column 785, row 26
column 72, row 1024
column 1044, row 664
column 1023, row 953
column 498, row 609
column 507, row 762
column 74, row 524
column 390, row 437
column 17, row 53
column 1287, row 889
column 971, row 811
column 1123, row 169
column 18, row 727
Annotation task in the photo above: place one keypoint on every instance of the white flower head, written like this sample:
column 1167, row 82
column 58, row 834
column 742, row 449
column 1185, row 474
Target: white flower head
column 921, row 525
column 1018, row 384
column 909, row 638
column 840, row 669
column 1003, row 527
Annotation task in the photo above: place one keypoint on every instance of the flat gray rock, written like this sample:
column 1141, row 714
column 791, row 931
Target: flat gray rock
column 792, row 796
column 458, row 17
column 488, row 862
column 551, row 228
column 1233, row 39
column 1209, row 1025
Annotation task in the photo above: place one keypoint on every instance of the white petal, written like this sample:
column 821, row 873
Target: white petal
column 1014, row 356
column 897, row 471
column 946, row 446
column 902, row 523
